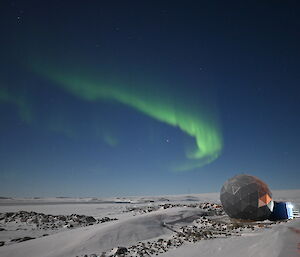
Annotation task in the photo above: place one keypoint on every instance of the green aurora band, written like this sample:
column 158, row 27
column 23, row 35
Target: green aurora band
column 205, row 131
column 19, row 101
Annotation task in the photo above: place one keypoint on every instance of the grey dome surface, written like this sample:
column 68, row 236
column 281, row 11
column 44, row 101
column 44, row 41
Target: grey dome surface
column 246, row 197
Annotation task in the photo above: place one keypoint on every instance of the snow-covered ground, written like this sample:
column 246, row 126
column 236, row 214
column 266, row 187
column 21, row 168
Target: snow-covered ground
column 168, row 226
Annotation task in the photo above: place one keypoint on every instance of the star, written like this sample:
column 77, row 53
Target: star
column 19, row 19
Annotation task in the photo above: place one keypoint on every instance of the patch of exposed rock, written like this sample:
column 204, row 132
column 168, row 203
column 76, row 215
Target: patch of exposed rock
column 23, row 220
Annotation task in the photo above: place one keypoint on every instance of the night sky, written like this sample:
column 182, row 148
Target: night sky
column 116, row 98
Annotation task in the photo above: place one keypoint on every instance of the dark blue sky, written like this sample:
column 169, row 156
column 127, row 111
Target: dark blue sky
column 234, row 63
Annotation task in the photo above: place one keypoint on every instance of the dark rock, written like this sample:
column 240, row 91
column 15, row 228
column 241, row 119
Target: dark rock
column 2, row 216
column 90, row 219
column 2, row 243
column 121, row 250
column 61, row 217
column 9, row 214
column 35, row 220
column 22, row 239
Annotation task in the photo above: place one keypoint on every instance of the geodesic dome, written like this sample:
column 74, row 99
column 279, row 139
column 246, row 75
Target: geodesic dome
column 246, row 197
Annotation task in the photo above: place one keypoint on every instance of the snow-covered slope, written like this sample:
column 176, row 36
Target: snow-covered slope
column 100, row 237
column 279, row 240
